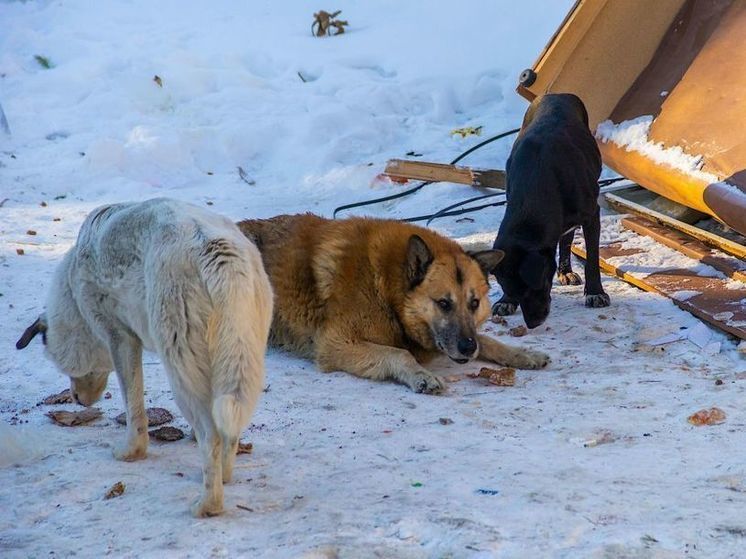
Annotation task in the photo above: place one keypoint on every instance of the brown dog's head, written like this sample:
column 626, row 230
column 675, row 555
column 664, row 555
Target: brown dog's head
column 447, row 297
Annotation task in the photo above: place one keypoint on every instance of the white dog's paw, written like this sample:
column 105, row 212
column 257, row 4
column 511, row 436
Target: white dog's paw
column 425, row 382
column 529, row 359
column 131, row 454
column 206, row 507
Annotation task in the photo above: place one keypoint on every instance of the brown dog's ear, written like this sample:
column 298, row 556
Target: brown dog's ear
column 487, row 259
column 39, row 326
column 419, row 259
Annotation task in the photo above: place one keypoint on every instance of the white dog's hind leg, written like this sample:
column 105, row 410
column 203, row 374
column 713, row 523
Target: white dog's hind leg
column 210, row 446
column 230, row 448
column 126, row 353
column 229, row 413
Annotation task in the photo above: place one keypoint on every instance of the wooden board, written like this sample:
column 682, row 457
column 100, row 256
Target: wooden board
column 688, row 246
column 716, row 303
column 711, row 239
column 441, row 172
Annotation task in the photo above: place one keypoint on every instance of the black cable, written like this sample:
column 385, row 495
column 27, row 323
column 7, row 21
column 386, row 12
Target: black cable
column 443, row 212
column 376, row 200
column 458, row 212
column 487, row 141
column 419, row 186
column 607, row 182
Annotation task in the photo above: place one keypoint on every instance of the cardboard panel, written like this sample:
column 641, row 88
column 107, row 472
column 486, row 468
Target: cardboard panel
column 601, row 49
column 681, row 61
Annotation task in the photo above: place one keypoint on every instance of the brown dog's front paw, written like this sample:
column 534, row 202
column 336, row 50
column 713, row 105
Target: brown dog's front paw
column 425, row 383
column 530, row 359
column 597, row 301
column 570, row 278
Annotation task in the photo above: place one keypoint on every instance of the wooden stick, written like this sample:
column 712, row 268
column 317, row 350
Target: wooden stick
column 441, row 172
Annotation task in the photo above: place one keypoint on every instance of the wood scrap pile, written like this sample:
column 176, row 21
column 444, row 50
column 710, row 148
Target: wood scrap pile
column 325, row 24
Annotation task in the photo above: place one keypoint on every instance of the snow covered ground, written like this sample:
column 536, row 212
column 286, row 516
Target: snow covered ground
column 592, row 457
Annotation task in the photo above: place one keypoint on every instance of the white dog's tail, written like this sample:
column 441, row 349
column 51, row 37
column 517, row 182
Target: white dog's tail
column 237, row 329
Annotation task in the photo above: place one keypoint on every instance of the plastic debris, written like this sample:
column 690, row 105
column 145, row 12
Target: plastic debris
column 712, row 416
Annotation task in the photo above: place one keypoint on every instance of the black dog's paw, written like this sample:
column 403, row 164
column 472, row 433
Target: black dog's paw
column 597, row 301
column 570, row 278
column 503, row 308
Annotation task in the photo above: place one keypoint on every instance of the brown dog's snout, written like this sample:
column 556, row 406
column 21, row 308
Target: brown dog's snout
column 467, row 346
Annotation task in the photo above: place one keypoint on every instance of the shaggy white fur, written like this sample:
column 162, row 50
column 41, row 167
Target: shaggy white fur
column 172, row 278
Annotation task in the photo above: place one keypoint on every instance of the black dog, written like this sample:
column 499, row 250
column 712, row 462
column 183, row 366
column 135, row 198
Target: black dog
column 552, row 188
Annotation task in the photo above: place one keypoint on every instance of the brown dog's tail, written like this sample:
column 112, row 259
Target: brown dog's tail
column 253, row 229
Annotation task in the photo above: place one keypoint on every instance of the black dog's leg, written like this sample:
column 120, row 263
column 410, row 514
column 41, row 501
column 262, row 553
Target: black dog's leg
column 505, row 306
column 564, row 271
column 595, row 296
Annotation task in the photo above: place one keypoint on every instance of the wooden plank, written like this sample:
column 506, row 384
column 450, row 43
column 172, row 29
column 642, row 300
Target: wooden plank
column 711, row 239
column 715, row 302
column 441, row 172
column 693, row 248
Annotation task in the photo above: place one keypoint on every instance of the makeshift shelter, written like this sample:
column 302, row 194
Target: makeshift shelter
column 680, row 61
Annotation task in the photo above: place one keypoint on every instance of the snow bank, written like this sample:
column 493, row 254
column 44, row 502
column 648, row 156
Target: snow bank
column 249, row 86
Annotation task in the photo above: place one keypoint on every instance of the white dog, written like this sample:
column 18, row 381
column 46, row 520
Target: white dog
column 173, row 278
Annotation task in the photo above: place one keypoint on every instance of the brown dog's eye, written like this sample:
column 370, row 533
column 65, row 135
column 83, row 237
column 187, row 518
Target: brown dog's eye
column 445, row 305
column 474, row 304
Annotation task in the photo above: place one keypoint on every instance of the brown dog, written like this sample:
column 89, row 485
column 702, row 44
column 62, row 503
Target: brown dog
column 378, row 298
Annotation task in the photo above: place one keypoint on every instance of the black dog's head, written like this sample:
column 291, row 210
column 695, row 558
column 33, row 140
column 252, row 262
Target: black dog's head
column 558, row 106
column 526, row 276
